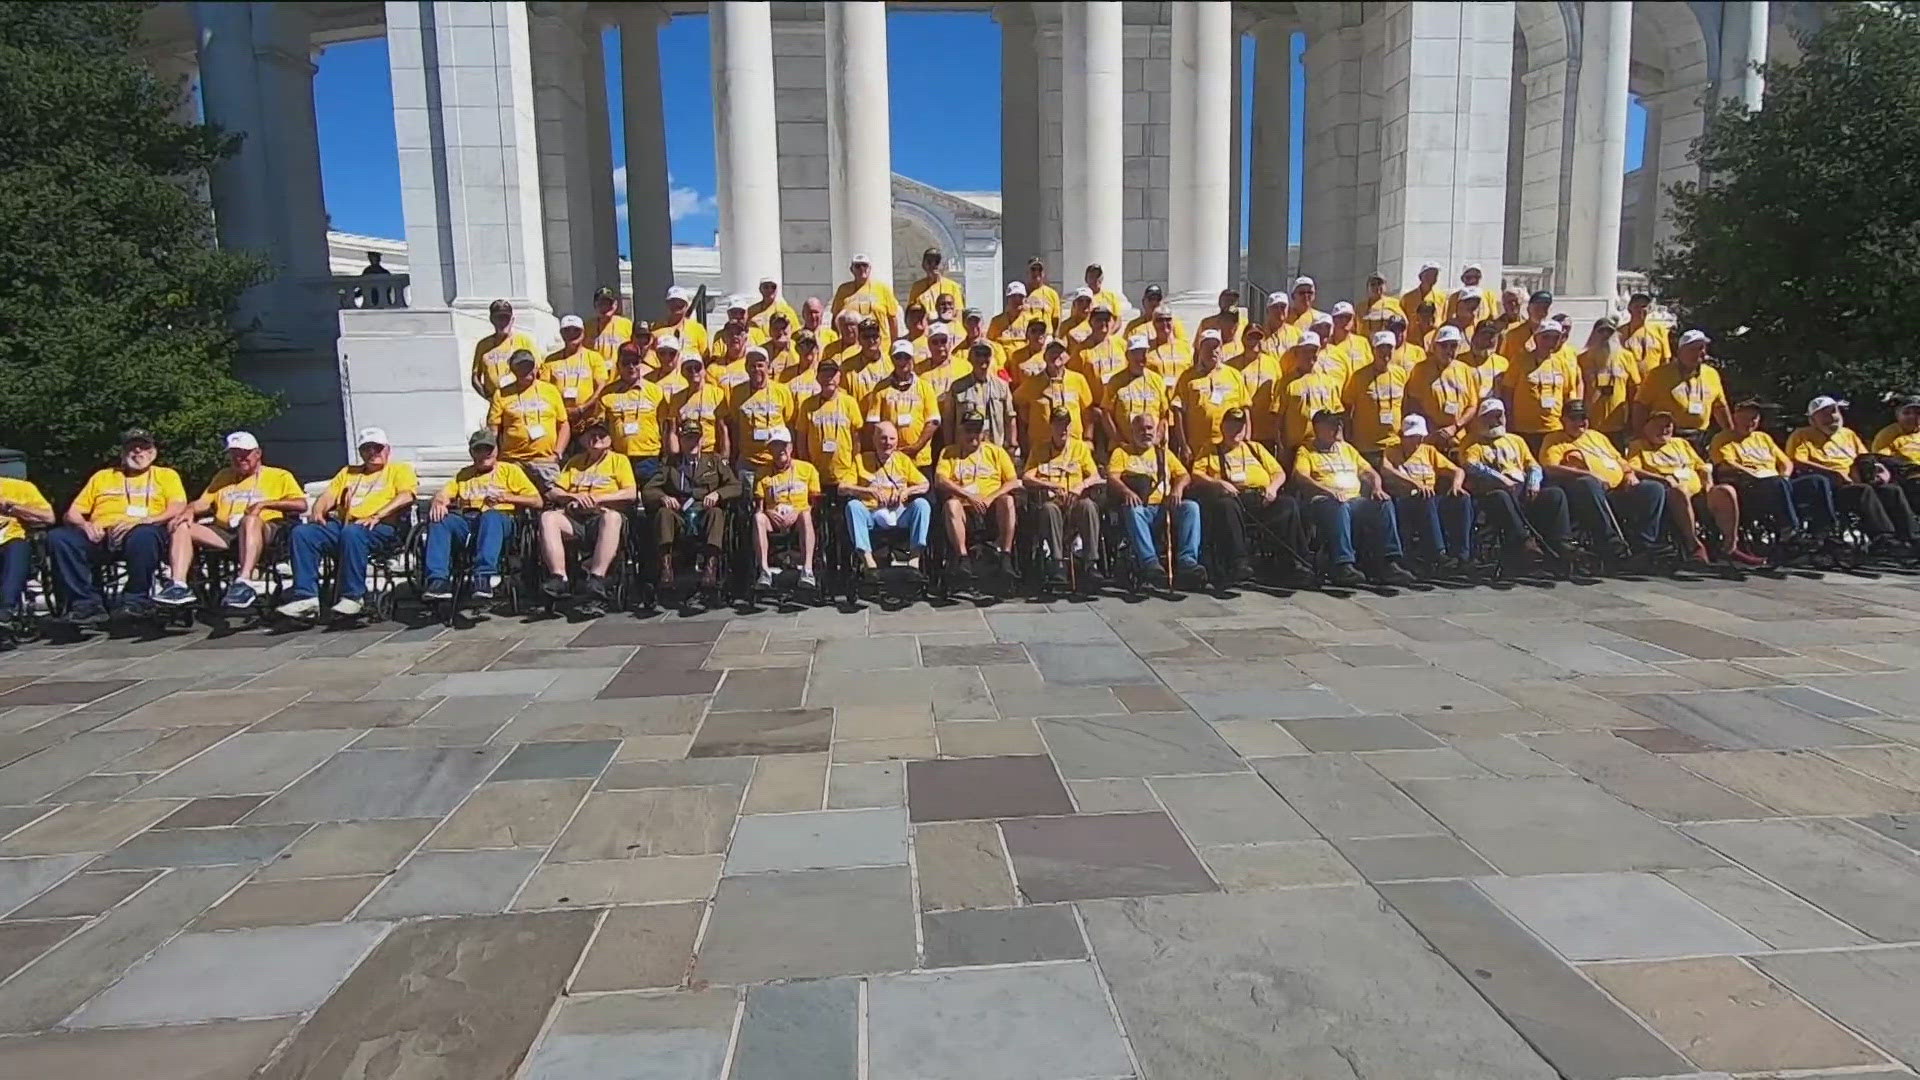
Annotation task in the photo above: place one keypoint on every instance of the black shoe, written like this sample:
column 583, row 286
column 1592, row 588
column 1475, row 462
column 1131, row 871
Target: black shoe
column 1240, row 571
column 1006, row 564
column 482, row 590
column 1346, row 576
column 555, row 587
column 139, row 607
column 88, row 614
column 1392, row 573
column 1086, row 576
column 596, row 587
column 1190, row 576
column 438, row 589
column 1056, row 575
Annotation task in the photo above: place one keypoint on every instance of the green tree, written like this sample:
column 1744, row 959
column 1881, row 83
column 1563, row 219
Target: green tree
column 114, row 301
column 1800, row 248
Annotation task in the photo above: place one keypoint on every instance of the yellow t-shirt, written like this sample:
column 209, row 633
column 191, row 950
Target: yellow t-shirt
column 1125, row 461
column 1540, row 389
column 1099, row 361
column 1676, row 461
column 1597, row 454
column 928, row 290
column 1755, row 453
column 1648, row 346
column 1142, row 324
column 232, row 495
column 491, row 356
column 759, row 412
column 1171, row 360
column 831, row 426
column 605, row 336
column 1128, row 396
column 707, row 404
column 612, row 473
column 1375, row 400
column 803, row 383
column 1610, row 379
column 1690, row 400
column 1297, row 400
column 1038, row 397
column 1205, row 399
column 910, row 409
column 797, row 486
column 898, row 473
column 360, row 496
column 1337, row 468
column 1894, row 442
column 1351, row 352
column 1248, row 464
column 576, row 376
column 940, row 376
column 1024, row 363
column 1448, row 395
column 1424, row 463
column 633, row 418
column 1229, row 324
column 874, row 299
column 111, row 496
column 979, row 474
column 475, row 488
column 23, row 493
column 1046, row 298
column 1009, row 328
column 1836, row 452
column 1507, row 455
column 1384, row 303
column 528, row 421
column 1070, row 466
column 692, row 335
column 760, row 317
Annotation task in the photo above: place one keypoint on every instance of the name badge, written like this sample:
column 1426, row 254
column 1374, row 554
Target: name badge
column 1218, row 395
column 1238, row 476
column 569, row 392
column 136, row 510
column 1549, row 401
column 1696, row 407
column 1386, row 414
column 829, row 446
column 759, row 436
column 904, row 418
column 536, row 431
column 630, row 428
column 233, row 520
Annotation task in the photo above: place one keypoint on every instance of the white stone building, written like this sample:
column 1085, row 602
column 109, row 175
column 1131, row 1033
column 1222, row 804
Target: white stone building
column 1492, row 132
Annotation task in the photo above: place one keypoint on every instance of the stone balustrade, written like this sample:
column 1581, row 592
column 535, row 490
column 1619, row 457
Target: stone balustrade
column 371, row 290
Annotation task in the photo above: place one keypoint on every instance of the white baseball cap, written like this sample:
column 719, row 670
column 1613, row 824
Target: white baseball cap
column 770, row 281
column 572, row 322
column 1385, row 337
column 1448, row 332
column 778, row 434
column 373, row 435
column 1693, row 336
column 1015, row 288
column 1302, row 282
column 1083, row 293
column 1470, row 266
column 1209, row 335
column 1490, row 406
column 736, row 303
column 755, row 350
column 903, row 347
column 1276, row 298
column 1342, row 308
column 859, row 258
column 678, row 293
column 1308, row 340
column 1426, row 266
column 1824, row 402
column 1413, row 425
column 242, row 440
column 1137, row 341
column 1102, row 307
column 940, row 329
column 670, row 343
column 1467, row 294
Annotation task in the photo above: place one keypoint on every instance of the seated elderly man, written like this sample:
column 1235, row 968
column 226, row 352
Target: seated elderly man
column 245, row 504
column 587, row 503
column 891, row 491
column 1898, row 445
column 785, row 489
column 1344, row 497
column 979, row 480
column 1146, row 482
column 361, row 511
column 1862, row 484
column 1769, row 482
column 1660, row 453
column 125, row 509
column 477, row 505
column 1060, row 478
column 1509, row 487
column 1430, row 495
column 1237, row 481
column 689, row 496
column 22, row 506
column 1603, row 492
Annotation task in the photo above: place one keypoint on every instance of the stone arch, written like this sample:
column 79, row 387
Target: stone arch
column 918, row 226
column 1546, row 51
column 1674, row 59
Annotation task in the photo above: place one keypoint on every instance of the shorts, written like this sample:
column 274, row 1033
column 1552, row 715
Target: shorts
column 544, row 473
column 270, row 531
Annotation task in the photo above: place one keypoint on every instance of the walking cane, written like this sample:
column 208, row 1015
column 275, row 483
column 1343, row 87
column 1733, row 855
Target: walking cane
column 1166, row 498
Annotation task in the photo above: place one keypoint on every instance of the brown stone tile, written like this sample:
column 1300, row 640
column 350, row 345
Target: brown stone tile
column 1689, row 640
column 517, row 813
column 771, row 688
column 1283, row 865
column 78, row 827
column 994, row 787
column 620, row 881
column 21, row 943
column 971, row 655
column 201, row 708
column 988, row 738
column 906, row 748
column 733, row 772
column 348, row 849
column 1103, row 855
column 641, row 948
column 660, row 684
column 57, row 692
column 322, row 715
column 464, row 655
column 784, row 783
column 777, row 731
column 623, row 632
column 883, row 720
column 1149, row 697
column 961, row 864
column 460, row 997
column 1663, row 740
column 290, row 903
column 1800, row 782
column 228, row 1050
column 176, row 746
column 211, row 812
column 86, row 894
column 657, row 821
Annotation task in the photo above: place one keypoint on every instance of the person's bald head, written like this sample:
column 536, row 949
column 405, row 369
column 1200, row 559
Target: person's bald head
column 886, row 437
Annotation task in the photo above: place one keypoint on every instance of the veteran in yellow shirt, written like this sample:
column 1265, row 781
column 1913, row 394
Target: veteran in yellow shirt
column 1689, row 389
column 492, row 355
column 702, row 400
column 1059, row 477
column 635, row 411
column 1866, row 488
column 1540, row 383
column 244, row 506
column 889, row 491
column 830, row 424
column 1767, row 478
column 1375, row 398
column 979, row 481
column 1346, row 499
column 124, row 509
column 785, row 493
column 361, row 512
column 756, row 409
column 588, row 503
column 1204, row 394
column 908, row 402
column 761, row 312
column 1900, row 440
column 531, row 420
column 1691, row 490
column 1133, row 390
column 680, row 321
column 22, row 506
column 1055, row 387
column 869, row 298
column 476, row 507
column 1152, row 302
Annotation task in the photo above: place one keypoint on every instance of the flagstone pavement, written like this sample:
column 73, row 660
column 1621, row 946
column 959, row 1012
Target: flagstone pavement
column 1631, row 829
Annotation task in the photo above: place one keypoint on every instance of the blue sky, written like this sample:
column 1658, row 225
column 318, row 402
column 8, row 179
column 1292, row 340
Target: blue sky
column 943, row 67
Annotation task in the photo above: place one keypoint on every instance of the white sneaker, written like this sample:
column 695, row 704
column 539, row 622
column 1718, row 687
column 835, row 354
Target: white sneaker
column 303, row 608
column 807, row 580
column 765, row 580
column 347, row 607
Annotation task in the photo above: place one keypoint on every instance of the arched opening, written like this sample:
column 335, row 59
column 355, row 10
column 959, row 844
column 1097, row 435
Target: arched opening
column 1670, row 76
column 1538, row 147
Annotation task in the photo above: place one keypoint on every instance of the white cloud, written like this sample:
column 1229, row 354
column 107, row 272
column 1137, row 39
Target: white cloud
column 682, row 202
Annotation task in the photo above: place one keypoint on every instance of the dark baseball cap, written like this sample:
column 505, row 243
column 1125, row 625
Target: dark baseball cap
column 1575, row 410
column 1060, row 416
column 604, row 293
column 827, row 364
column 1541, row 297
column 972, row 417
column 689, row 423
column 981, row 348
column 1238, row 413
column 1329, row 416
column 1154, row 291
column 137, row 435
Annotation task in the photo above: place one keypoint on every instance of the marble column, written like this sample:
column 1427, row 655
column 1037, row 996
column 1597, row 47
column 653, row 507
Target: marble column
column 602, row 205
column 859, row 140
column 1093, row 98
column 566, row 173
column 745, row 143
column 1743, row 43
column 1269, row 207
column 1199, row 166
column 1330, row 199
column 649, row 219
column 1599, row 149
column 1020, row 109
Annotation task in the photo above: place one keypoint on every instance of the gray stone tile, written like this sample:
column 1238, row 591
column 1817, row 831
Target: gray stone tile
column 1689, row 640
column 57, row 692
column 1902, row 829
column 85, row 894
column 1818, row 702
column 23, row 879
column 1870, row 992
column 826, row 840
column 556, row 760
column 238, row 974
column 1440, row 764
column 623, row 718
column 1056, row 627
column 1554, row 825
column 1342, row 797
column 637, row 1037
column 22, row 942
column 1743, row 720
column 970, row 655
column 961, row 864
column 223, row 1051
column 249, row 844
column 1800, row 782
column 1285, row 865
column 347, row 849
column 1034, row 1023
column 641, row 948
column 1137, row 744
column 1089, row 665
column 1002, row 936
column 1404, row 858
column 1407, row 690
column 52, row 768
column 1861, row 877
column 1563, row 1017
column 656, row 821
column 997, row 787
column 1325, row 980
column 365, row 784
column 490, row 683
column 1662, row 740
column 733, row 772
column 1085, row 857
column 211, row 811
column 867, row 654
column 778, row 731
column 290, row 903
column 453, row 883
column 1224, row 705
column 1653, row 784
column 808, row 924
column 755, row 691
column 1764, row 910
column 81, row 827
column 1375, row 656
column 514, row 813
column 1616, row 916
column 251, row 764
column 324, row 715
column 427, row 1001
column 1235, row 809
column 652, row 880
column 1360, row 733
column 869, row 783
column 794, row 1030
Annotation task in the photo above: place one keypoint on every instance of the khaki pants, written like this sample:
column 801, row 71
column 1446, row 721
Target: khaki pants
column 671, row 525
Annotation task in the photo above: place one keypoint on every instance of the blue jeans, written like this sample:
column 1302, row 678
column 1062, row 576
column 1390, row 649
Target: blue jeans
column 1797, row 500
column 1444, row 522
column 74, row 557
column 915, row 515
column 15, row 565
column 1338, row 521
column 355, row 544
column 1144, row 523
column 488, row 530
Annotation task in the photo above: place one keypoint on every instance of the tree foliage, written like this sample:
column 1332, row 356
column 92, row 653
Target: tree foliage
column 114, row 302
column 1799, row 248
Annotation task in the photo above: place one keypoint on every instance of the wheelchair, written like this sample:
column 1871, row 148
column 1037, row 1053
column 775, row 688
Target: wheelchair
column 391, row 571
column 214, row 570
column 981, row 578
column 1123, row 570
column 622, row 577
column 783, row 553
column 894, row 584
column 643, row 551
column 111, row 584
column 511, row 592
